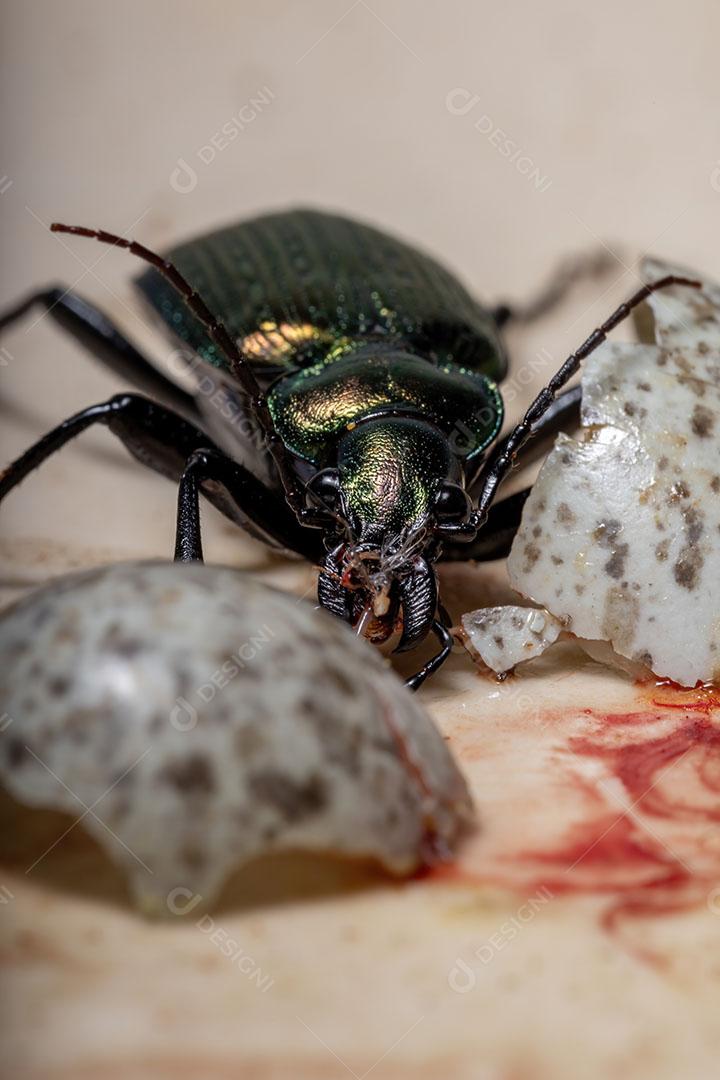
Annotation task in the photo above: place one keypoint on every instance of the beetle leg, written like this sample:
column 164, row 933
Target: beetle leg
column 220, row 336
column 589, row 265
column 414, row 682
column 239, row 488
column 562, row 415
column 495, row 538
column 503, row 461
column 92, row 329
column 164, row 441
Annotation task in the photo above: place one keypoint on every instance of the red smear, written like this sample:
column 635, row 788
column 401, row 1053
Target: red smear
column 434, row 847
column 652, row 852
column 639, row 765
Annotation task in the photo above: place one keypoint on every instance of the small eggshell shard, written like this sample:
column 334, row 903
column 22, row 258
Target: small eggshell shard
column 504, row 637
column 620, row 537
column 206, row 719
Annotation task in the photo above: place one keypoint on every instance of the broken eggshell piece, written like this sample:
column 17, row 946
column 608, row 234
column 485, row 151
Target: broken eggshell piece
column 620, row 537
column 207, row 719
column 683, row 318
column 503, row 637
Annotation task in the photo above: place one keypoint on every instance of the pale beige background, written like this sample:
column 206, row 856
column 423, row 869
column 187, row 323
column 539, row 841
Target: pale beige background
column 616, row 106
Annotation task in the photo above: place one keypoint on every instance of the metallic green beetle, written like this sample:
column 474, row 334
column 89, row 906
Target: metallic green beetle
column 345, row 394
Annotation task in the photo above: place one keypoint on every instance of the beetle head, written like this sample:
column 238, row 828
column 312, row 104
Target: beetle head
column 397, row 485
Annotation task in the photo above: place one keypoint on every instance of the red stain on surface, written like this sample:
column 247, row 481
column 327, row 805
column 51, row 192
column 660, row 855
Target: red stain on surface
column 639, row 766
column 641, row 790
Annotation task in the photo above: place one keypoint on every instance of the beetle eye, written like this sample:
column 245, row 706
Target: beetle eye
column 326, row 486
column 452, row 503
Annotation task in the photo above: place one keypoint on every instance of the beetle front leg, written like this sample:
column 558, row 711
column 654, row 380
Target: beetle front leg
column 414, row 682
column 234, row 486
column 222, row 338
column 496, row 536
column 503, row 461
column 165, row 442
column 92, row 328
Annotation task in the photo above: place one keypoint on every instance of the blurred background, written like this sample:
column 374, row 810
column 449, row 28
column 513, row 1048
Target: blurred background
column 500, row 137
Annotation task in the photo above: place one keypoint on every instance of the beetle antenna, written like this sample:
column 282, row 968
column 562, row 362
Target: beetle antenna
column 221, row 337
column 517, row 438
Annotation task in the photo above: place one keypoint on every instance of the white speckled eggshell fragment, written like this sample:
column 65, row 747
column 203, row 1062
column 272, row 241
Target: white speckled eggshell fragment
column 207, row 719
column 620, row 537
column 505, row 636
column 684, row 318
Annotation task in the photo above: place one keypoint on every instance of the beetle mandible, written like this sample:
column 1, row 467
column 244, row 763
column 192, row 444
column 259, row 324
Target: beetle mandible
column 360, row 388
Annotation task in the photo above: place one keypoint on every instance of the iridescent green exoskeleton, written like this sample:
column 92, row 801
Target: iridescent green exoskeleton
column 344, row 395
column 381, row 378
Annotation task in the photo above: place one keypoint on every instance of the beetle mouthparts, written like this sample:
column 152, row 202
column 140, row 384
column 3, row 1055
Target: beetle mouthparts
column 379, row 600
column 352, row 587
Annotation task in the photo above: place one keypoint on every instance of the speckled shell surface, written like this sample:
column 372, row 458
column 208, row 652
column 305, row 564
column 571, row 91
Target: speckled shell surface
column 620, row 538
column 502, row 637
column 684, row 318
column 205, row 719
